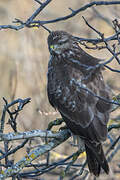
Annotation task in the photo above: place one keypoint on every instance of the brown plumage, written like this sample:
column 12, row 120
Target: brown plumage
column 72, row 77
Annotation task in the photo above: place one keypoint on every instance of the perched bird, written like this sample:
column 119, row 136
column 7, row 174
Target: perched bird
column 75, row 83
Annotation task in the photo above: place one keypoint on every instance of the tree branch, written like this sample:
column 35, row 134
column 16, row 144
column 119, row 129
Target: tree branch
column 75, row 12
column 29, row 134
column 21, row 103
column 64, row 135
column 43, row 5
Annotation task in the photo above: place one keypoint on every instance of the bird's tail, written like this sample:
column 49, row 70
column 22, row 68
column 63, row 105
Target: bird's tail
column 96, row 158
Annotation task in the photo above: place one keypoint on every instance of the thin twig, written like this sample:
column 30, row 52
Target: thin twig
column 116, row 149
column 72, row 14
column 75, row 12
column 14, row 150
column 34, row 154
column 112, row 145
column 38, row 2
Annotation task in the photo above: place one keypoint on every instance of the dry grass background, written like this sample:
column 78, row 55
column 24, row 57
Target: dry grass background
column 24, row 55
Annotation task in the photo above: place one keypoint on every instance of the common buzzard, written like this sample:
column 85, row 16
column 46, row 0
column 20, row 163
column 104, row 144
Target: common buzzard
column 74, row 83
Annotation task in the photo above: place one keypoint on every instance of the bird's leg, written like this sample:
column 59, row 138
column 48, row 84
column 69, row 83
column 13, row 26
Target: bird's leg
column 51, row 124
column 55, row 123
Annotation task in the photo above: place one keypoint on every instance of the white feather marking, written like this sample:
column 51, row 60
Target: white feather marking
column 71, row 52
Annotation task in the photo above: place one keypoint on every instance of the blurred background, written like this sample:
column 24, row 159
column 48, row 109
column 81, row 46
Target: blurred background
column 24, row 56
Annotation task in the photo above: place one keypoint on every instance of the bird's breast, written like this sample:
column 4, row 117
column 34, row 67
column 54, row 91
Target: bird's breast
column 61, row 89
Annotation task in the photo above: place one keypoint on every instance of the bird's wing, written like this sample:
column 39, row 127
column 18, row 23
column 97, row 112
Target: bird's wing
column 82, row 110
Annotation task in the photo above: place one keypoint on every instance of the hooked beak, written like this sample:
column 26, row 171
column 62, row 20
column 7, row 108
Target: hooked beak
column 53, row 49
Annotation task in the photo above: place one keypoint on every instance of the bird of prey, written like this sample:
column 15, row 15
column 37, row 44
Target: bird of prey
column 75, row 83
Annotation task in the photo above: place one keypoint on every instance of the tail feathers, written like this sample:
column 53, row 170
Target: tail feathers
column 96, row 158
column 93, row 164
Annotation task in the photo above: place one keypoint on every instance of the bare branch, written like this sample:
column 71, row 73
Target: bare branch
column 21, row 103
column 75, row 12
column 112, row 145
column 98, row 40
column 49, row 167
column 114, row 152
column 101, row 16
column 113, row 126
column 111, row 51
column 99, row 33
column 111, row 69
column 43, row 5
column 64, row 135
column 103, row 40
column 57, row 139
column 13, row 150
column 38, row 2
column 29, row 134
column 12, row 27
column 29, row 20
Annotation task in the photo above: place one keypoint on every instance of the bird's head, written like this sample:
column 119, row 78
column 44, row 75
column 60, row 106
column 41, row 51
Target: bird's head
column 59, row 41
